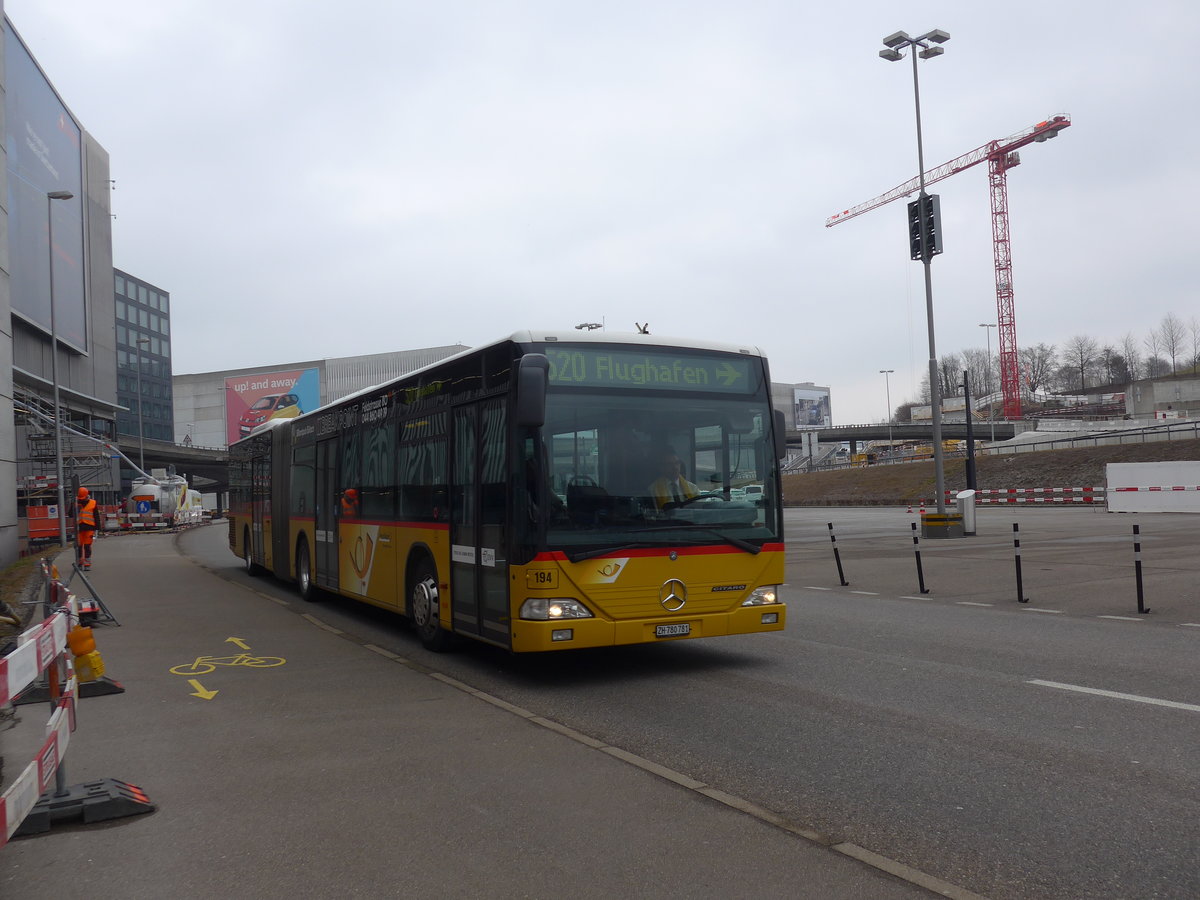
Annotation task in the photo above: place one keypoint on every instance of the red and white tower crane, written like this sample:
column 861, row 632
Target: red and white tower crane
column 1001, row 155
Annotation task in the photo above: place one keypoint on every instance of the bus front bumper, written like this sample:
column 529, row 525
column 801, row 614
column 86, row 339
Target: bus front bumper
column 531, row 637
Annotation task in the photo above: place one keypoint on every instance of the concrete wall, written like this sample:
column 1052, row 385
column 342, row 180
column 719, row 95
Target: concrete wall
column 1144, row 398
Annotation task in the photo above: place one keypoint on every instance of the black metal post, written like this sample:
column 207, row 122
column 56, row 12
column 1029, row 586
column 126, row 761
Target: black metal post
column 971, row 481
column 1137, row 568
column 837, row 557
column 917, row 551
column 1021, row 598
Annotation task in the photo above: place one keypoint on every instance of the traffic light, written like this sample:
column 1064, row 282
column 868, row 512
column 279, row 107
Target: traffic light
column 928, row 208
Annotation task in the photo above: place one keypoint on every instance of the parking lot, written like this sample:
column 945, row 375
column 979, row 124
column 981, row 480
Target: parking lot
column 1076, row 561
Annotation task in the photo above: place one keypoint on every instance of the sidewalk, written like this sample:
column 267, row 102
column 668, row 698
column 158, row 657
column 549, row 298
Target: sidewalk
column 343, row 773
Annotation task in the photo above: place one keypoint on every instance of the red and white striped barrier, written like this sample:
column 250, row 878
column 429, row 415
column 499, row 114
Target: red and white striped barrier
column 1037, row 495
column 38, row 648
column 1175, row 487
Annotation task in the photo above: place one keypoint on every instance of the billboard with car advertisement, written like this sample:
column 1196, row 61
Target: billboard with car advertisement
column 251, row 400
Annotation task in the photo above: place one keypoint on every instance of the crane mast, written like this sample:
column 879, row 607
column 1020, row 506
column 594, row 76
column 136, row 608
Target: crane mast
column 1001, row 155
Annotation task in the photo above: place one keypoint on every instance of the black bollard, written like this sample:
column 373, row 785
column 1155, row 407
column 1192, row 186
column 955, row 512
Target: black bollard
column 1137, row 568
column 837, row 557
column 1021, row 598
column 917, row 551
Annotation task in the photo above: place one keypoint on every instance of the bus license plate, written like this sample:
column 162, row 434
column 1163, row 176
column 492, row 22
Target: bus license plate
column 672, row 630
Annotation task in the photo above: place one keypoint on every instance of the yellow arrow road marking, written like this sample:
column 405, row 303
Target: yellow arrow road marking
column 201, row 692
column 239, row 642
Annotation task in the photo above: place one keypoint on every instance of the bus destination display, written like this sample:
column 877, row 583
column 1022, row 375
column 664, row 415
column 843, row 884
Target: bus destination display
column 660, row 370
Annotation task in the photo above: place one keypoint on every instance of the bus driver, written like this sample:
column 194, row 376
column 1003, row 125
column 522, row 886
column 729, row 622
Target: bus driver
column 671, row 486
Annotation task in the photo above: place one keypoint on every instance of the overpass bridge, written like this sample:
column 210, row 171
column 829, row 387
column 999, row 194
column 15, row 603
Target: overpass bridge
column 208, row 464
column 212, row 463
column 920, row 434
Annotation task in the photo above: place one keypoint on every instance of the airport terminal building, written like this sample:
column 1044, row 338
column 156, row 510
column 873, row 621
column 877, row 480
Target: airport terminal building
column 56, row 234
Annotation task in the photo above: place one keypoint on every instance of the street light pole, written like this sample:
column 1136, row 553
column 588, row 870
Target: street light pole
column 991, row 419
column 58, row 457
column 141, row 403
column 887, row 387
column 892, row 54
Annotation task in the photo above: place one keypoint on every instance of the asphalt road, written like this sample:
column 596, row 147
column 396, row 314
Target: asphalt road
column 1041, row 750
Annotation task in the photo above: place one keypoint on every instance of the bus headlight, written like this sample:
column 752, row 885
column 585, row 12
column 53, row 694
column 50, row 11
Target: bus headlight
column 553, row 609
column 763, row 596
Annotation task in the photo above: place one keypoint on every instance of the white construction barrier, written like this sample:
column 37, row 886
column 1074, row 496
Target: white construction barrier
column 38, row 648
column 28, row 806
column 1153, row 487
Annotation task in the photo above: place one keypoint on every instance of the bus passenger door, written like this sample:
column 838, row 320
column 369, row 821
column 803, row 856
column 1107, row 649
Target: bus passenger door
column 325, row 514
column 478, row 512
column 260, row 509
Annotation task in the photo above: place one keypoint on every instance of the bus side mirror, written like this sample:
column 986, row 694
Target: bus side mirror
column 533, row 373
column 780, row 434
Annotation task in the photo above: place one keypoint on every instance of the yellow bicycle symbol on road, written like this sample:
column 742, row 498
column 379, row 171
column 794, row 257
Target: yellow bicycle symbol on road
column 205, row 664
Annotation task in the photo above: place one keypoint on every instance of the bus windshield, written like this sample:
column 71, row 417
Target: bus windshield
column 622, row 471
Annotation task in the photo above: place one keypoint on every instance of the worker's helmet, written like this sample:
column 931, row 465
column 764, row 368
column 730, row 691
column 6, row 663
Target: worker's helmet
column 351, row 494
column 82, row 493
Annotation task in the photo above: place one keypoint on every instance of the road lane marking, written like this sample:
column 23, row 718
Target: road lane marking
column 323, row 625
column 1122, row 618
column 971, row 603
column 866, row 593
column 813, row 587
column 200, row 691
column 1117, row 695
column 1057, row 612
column 914, row 598
column 1190, row 624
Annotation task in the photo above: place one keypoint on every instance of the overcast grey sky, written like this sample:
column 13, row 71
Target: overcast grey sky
column 311, row 180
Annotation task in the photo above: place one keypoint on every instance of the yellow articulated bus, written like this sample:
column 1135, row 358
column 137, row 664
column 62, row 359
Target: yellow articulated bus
column 543, row 492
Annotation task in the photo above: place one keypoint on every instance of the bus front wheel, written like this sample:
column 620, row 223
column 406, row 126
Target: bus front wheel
column 424, row 608
column 304, row 582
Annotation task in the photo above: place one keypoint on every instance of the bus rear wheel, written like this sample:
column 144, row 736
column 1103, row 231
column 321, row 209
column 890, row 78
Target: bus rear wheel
column 424, row 608
column 308, row 591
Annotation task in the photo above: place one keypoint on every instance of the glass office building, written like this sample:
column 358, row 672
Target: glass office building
column 143, row 320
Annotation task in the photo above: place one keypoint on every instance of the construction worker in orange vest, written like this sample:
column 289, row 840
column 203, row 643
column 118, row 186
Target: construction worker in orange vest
column 87, row 514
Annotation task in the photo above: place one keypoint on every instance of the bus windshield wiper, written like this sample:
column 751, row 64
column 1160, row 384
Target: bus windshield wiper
column 580, row 555
column 750, row 548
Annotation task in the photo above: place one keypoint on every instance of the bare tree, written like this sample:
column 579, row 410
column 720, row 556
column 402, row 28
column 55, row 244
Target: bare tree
column 1153, row 344
column 1194, row 331
column 950, row 368
column 975, row 362
column 1172, row 333
column 1157, row 367
column 1037, row 365
column 1062, row 379
column 1113, row 368
column 1079, row 353
column 1133, row 358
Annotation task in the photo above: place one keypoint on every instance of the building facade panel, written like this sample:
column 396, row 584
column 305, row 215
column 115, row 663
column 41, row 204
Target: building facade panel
column 55, row 255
